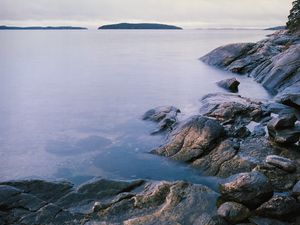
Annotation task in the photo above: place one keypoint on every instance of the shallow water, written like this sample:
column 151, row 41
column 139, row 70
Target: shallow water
column 71, row 101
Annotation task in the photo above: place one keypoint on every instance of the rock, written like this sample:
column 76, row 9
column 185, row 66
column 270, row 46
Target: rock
column 225, row 55
column 193, row 138
column 290, row 96
column 43, row 189
column 226, row 107
column 287, row 136
column 113, row 202
column 250, row 189
column 229, row 84
column 234, row 212
column 210, row 164
column 280, row 179
column 278, row 207
column 282, row 122
column 296, row 189
column 282, row 163
column 165, row 116
column 274, row 62
column 267, row 221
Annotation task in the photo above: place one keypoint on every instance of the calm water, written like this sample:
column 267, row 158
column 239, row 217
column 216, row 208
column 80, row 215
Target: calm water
column 71, row 101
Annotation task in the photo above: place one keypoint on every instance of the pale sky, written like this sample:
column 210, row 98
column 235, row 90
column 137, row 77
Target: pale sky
column 185, row 13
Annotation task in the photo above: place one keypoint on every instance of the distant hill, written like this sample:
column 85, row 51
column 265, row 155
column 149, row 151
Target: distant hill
column 139, row 26
column 277, row 28
column 42, row 28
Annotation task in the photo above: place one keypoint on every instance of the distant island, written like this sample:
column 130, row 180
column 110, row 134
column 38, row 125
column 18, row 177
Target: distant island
column 277, row 28
column 42, row 28
column 139, row 26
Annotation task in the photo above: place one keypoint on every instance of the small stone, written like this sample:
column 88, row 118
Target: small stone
column 229, row 84
column 296, row 189
column 282, row 163
column 250, row 189
column 278, row 206
column 234, row 212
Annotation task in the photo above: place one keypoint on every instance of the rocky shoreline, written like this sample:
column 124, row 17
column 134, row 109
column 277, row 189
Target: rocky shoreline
column 252, row 144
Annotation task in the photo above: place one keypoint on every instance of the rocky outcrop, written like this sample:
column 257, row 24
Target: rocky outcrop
column 274, row 62
column 107, row 202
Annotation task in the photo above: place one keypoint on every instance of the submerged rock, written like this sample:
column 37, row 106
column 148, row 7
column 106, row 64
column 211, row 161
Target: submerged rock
column 230, row 84
column 165, row 116
column 192, row 139
column 234, row 212
column 282, row 163
column 250, row 189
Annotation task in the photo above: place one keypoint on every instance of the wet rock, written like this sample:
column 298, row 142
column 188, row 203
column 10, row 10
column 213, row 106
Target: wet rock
column 296, row 189
column 192, row 139
column 250, row 189
column 229, row 84
column 282, row 122
column 278, row 207
column 287, row 136
column 234, row 212
column 165, row 116
column 282, row 163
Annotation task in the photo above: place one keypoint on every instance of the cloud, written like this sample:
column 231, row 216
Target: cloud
column 208, row 13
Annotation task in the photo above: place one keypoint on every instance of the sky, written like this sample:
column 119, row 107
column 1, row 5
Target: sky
column 185, row 13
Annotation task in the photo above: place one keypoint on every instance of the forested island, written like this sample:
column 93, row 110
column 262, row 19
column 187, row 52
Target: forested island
column 139, row 26
column 42, row 28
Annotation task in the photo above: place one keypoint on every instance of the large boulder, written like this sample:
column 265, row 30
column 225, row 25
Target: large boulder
column 192, row 139
column 250, row 189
